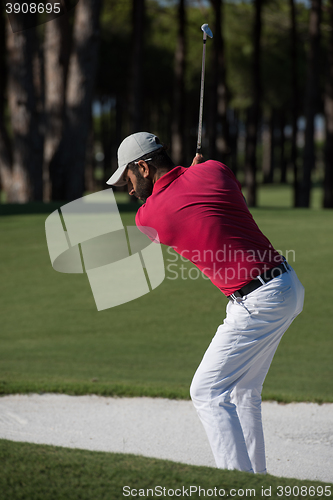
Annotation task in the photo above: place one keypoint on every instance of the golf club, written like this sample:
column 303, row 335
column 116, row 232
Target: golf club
column 206, row 32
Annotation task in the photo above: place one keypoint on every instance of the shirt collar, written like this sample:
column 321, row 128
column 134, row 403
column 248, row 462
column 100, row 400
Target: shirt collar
column 167, row 178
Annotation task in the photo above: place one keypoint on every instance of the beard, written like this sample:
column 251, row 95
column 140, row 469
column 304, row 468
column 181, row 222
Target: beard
column 144, row 187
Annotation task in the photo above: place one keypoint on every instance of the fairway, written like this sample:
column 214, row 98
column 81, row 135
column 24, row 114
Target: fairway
column 54, row 339
column 45, row 472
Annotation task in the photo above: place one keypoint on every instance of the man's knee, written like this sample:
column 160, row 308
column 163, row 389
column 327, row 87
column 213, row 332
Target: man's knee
column 199, row 391
column 195, row 391
column 203, row 393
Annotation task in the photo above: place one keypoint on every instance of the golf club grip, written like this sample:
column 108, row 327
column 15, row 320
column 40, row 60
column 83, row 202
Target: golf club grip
column 198, row 150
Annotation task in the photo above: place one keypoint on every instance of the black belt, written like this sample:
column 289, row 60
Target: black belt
column 260, row 280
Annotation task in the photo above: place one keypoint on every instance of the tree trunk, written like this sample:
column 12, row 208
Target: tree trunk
column 219, row 147
column 89, row 171
column 294, row 99
column 79, row 94
column 178, row 115
column 254, row 112
column 56, row 55
column 113, row 162
column 26, row 182
column 136, row 73
column 311, row 96
column 106, row 142
column 328, row 181
column 5, row 145
column 233, row 140
column 282, row 143
column 268, row 147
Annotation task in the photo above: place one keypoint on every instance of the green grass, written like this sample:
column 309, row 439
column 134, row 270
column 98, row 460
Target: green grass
column 54, row 339
column 282, row 196
column 40, row 472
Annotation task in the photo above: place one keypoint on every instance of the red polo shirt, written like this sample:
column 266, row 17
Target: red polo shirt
column 200, row 212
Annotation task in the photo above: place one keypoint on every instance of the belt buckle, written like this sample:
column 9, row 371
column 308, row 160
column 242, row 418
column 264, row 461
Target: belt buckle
column 235, row 295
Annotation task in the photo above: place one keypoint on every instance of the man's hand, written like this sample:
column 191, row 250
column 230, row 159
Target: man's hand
column 197, row 159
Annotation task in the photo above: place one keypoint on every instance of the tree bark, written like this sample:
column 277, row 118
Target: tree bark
column 79, row 94
column 282, row 143
column 311, row 96
column 328, row 181
column 294, row 100
column 254, row 111
column 233, row 141
column 56, row 55
column 219, row 147
column 105, row 134
column 268, row 147
column 89, row 171
column 178, row 115
column 5, row 144
column 136, row 73
column 26, row 181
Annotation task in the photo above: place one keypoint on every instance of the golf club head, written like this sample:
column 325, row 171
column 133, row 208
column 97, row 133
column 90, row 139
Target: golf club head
column 206, row 29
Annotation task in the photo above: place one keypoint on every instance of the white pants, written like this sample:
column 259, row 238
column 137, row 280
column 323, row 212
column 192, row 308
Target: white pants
column 226, row 388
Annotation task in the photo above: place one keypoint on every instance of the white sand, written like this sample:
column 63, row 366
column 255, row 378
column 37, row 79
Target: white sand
column 299, row 436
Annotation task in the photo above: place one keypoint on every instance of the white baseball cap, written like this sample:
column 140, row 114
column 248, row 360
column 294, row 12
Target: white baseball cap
column 132, row 148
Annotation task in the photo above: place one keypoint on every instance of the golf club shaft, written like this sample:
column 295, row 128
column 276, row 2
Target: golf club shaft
column 201, row 95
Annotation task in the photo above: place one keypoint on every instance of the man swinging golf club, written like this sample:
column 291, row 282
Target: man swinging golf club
column 200, row 212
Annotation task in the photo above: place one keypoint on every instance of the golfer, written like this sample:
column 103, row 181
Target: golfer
column 200, row 212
